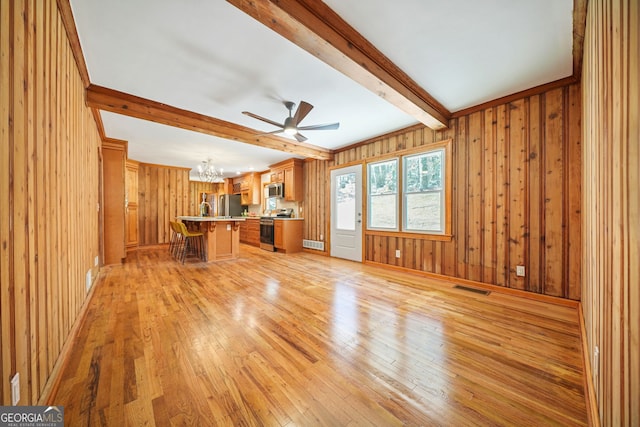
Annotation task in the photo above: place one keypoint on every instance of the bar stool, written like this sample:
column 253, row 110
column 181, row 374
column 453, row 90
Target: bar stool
column 193, row 243
column 176, row 242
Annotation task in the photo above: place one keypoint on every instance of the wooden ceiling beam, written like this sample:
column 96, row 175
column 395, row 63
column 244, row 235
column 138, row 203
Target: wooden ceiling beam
column 129, row 105
column 579, row 28
column 316, row 28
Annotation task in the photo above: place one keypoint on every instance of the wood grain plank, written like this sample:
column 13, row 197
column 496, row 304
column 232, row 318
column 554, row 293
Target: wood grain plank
column 518, row 202
column 488, row 197
column 460, row 182
column 554, row 205
column 536, row 214
column 573, row 179
column 474, row 198
column 19, row 288
column 6, row 278
column 339, row 343
column 502, row 196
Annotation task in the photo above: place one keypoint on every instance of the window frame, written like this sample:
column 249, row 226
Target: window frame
column 401, row 231
column 397, row 194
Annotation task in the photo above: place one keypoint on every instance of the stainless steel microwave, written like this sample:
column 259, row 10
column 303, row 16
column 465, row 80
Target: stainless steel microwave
column 276, row 189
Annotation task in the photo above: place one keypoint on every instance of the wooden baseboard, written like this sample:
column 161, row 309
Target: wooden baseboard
column 315, row 251
column 589, row 388
column 480, row 285
column 53, row 382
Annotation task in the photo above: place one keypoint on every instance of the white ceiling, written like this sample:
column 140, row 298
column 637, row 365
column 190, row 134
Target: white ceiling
column 209, row 57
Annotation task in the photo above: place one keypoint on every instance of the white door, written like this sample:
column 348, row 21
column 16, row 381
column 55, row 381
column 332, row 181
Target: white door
column 346, row 213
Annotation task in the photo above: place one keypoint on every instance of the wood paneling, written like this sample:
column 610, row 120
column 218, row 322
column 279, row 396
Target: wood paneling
column 196, row 188
column 611, row 203
column 163, row 194
column 49, row 194
column 516, row 196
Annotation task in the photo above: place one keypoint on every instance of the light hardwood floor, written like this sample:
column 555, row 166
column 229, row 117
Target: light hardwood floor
column 300, row 339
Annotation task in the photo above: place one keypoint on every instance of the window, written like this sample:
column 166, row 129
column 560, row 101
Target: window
column 270, row 203
column 423, row 198
column 346, row 202
column 420, row 179
column 383, row 195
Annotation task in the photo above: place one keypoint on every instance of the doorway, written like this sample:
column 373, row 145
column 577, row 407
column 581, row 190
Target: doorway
column 346, row 213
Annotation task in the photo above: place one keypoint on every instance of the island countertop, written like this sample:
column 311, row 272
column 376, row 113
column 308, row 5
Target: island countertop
column 209, row 218
column 221, row 235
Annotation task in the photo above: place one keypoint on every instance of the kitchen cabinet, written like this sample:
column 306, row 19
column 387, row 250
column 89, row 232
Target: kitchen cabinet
column 290, row 173
column 287, row 235
column 250, row 231
column 248, row 187
column 131, row 205
column 114, row 157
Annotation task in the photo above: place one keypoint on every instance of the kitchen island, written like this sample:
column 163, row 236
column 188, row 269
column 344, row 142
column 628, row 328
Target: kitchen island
column 221, row 235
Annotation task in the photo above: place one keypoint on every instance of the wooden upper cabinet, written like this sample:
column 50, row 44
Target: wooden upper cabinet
column 277, row 175
column 248, row 186
column 290, row 173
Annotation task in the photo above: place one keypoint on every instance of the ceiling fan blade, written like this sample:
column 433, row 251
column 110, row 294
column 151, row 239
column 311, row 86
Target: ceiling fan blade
column 300, row 137
column 329, row 126
column 302, row 111
column 255, row 116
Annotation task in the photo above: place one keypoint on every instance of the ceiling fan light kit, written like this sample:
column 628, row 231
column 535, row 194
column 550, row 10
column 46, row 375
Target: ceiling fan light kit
column 290, row 125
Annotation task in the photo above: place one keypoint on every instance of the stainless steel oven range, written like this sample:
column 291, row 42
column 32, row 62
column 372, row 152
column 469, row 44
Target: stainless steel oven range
column 266, row 233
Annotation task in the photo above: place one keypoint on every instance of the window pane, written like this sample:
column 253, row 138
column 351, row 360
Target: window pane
column 383, row 195
column 383, row 178
column 423, row 172
column 383, row 210
column 423, row 212
column 271, row 203
column 346, row 201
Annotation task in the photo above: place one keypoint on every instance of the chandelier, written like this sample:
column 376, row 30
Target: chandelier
column 208, row 173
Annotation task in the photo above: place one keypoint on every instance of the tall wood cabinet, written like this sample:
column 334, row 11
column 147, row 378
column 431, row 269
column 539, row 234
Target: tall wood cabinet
column 114, row 157
column 131, row 205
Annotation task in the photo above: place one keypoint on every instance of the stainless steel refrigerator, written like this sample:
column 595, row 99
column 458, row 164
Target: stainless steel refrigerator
column 229, row 205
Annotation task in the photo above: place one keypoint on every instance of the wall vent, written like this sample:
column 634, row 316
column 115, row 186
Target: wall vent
column 313, row 244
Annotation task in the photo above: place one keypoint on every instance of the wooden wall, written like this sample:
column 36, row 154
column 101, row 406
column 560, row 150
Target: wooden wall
column 611, row 252
column 49, row 179
column 163, row 194
column 516, row 196
column 196, row 188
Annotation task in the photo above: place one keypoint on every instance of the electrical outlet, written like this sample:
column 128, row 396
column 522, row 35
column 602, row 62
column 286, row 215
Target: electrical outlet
column 520, row 270
column 596, row 361
column 15, row 389
column 96, row 260
column 397, row 253
column 321, row 236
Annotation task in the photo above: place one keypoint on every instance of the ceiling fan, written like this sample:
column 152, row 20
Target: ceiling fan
column 290, row 125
